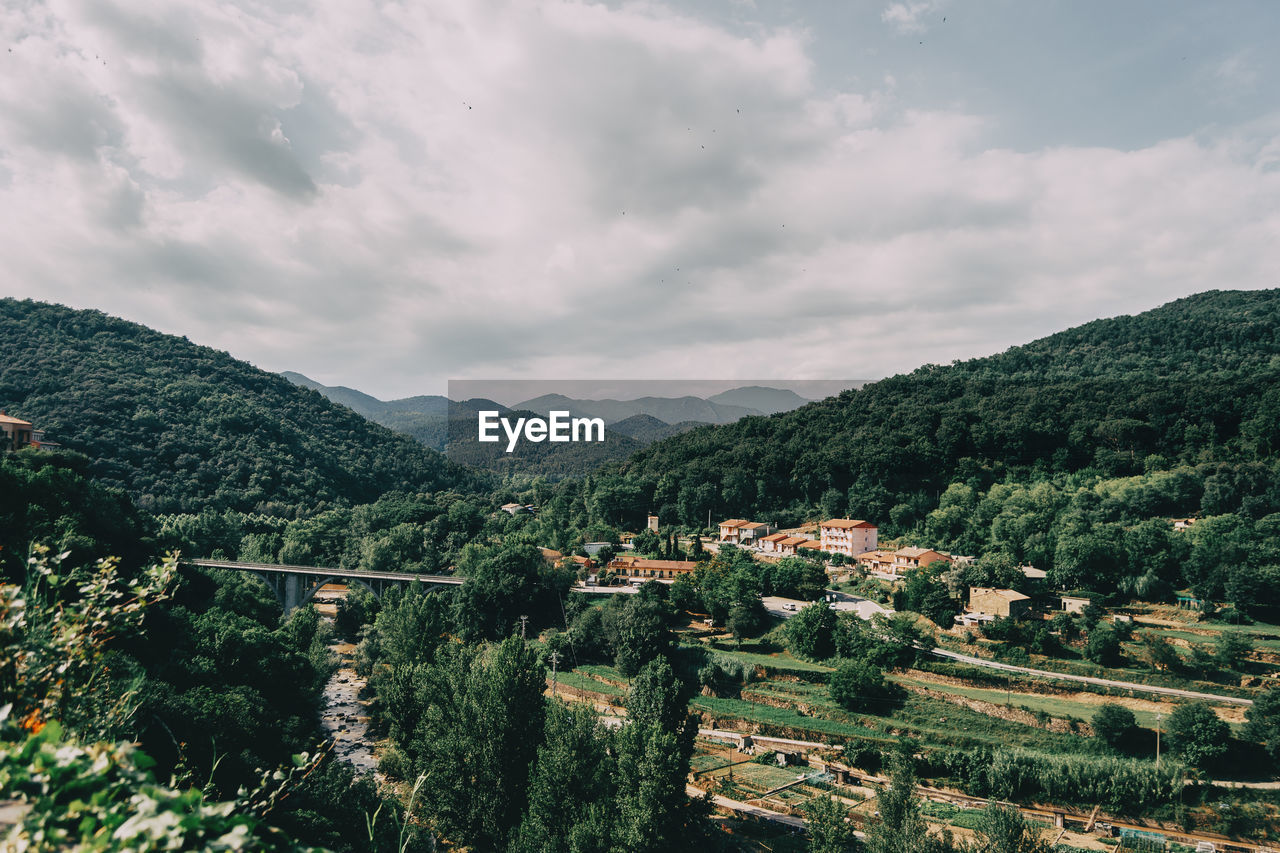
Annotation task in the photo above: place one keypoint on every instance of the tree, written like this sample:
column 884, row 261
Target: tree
column 810, row 632
column 1231, row 650
column 747, row 616
column 829, row 830
column 928, row 596
column 646, row 543
column 501, row 585
column 571, row 785
column 855, row 684
column 653, row 751
column 1160, row 651
column 1262, row 722
column 1196, row 734
column 901, row 827
column 641, row 630
column 1103, row 646
column 1003, row 829
column 1114, row 724
column 472, row 742
column 889, row 643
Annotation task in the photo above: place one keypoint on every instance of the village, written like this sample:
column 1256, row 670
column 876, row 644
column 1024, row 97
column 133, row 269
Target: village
column 846, row 547
column 781, row 738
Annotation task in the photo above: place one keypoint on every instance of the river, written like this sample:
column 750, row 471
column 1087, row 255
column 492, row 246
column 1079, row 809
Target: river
column 345, row 714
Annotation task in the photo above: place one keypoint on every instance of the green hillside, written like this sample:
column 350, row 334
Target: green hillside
column 1193, row 380
column 183, row 427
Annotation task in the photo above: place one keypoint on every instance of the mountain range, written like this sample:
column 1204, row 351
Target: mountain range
column 446, row 425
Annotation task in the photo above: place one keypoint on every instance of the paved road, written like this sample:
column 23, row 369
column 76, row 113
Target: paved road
column 864, row 607
column 1086, row 679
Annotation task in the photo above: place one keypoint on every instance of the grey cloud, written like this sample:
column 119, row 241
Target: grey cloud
column 63, row 116
column 230, row 126
column 170, row 38
column 315, row 126
column 662, row 128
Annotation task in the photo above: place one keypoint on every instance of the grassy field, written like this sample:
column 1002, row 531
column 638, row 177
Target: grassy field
column 932, row 721
column 603, row 673
column 1055, row 706
column 777, row 661
column 818, row 728
column 1269, row 645
column 584, row 682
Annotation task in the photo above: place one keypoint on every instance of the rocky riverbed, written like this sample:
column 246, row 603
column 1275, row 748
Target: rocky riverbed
column 345, row 716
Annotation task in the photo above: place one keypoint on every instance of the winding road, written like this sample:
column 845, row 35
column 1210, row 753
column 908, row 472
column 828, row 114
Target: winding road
column 1087, row 679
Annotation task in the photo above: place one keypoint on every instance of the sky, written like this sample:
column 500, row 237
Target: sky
column 391, row 195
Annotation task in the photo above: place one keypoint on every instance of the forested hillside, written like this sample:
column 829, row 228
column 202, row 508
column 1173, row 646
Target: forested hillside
column 1192, row 381
column 184, row 428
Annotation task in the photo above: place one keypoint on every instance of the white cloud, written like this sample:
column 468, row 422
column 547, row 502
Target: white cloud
column 386, row 195
column 909, row 17
column 1238, row 73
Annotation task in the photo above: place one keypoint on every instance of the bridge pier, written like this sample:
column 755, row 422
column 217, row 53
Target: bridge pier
column 292, row 593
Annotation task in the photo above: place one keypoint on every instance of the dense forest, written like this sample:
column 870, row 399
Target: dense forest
column 1193, row 381
column 183, row 427
column 125, row 671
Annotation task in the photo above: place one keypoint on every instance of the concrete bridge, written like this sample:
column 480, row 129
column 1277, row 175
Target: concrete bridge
column 294, row 586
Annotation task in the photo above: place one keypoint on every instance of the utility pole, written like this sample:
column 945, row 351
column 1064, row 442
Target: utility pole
column 524, row 622
column 555, row 659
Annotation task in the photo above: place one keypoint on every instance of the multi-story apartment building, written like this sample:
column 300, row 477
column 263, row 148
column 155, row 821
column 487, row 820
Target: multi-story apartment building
column 848, row 536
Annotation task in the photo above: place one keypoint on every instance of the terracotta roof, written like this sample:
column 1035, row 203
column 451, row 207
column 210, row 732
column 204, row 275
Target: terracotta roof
column 752, row 525
column 6, row 419
column 793, row 540
column 640, row 563
column 811, row 543
column 774, row 537
column 918, row 552
column 876, row 555
column 734, row 522
column 846, row 523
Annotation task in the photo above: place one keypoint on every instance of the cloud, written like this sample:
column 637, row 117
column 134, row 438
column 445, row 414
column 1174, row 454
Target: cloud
column 384, row 196
column 1238, row 73
column 909, row 17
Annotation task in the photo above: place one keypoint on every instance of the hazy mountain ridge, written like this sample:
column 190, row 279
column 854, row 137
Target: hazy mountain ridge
column 647, row 429
column 641, row 421
column 670, row 410
column 765, row 400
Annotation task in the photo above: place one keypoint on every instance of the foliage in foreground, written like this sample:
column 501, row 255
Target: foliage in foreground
column 102, row 797
column 92, row 793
